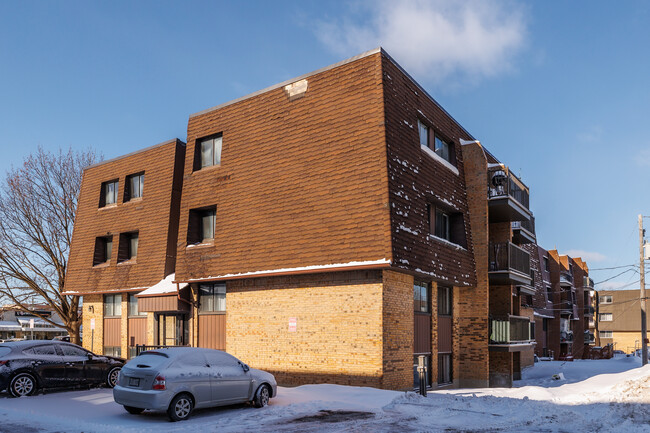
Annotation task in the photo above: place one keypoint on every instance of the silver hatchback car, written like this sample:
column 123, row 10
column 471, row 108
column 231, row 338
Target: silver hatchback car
column 180, row 379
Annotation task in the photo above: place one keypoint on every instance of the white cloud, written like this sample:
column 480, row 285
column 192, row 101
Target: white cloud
column 587, row 256
column 436, row 40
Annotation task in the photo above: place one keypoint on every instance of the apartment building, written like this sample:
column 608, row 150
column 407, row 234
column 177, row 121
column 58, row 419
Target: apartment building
column 332, row 228
column 619, row 319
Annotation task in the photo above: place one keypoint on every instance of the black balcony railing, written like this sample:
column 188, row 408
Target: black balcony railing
column 589, row 311
column 503, row 183
column 587, row 282
column 511, row 330
column 528, row 225
column 589, row 337
column 566, row 277
column 507, row 256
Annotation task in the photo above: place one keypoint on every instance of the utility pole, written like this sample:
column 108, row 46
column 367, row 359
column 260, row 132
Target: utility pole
column 644, row 344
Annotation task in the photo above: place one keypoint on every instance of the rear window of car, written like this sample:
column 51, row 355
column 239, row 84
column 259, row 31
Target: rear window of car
column 4, row 351
column 147, row 361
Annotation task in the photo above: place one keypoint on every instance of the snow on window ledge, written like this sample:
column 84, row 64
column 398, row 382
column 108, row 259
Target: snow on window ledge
column 440, row 159
column 445, row 241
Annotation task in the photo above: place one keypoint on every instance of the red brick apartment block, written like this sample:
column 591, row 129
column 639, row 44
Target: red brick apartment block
column 338, row 227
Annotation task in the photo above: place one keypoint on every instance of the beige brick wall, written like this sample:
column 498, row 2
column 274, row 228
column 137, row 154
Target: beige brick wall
column 623, row 340
column 397, row 328
column 338, row 337
column 93, row 307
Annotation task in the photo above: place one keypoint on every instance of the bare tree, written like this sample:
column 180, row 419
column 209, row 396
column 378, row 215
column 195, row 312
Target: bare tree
column 38, row 202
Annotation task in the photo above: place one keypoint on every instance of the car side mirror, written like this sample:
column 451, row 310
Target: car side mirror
column 90, row 356
column 245, row 367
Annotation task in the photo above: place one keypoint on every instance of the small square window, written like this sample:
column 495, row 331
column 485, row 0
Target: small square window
column 128, row 246
column 108, row 194
column 208, row 152
column 134, row 186
column 606, row 299
column 201, row 225
column 212, row 298
column 112, row 305
column 103, row 250
column 447, row 225
column 443, row 149
column 442, row 224
column 605, row 317
column 606, row 334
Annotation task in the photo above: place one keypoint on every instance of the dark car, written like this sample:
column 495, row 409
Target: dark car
column 29, row 365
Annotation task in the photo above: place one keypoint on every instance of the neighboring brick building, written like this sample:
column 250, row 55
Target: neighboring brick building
column 331, row 228
column 619, row 319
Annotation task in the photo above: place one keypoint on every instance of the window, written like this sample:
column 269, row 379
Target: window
column 442, row 224
column 421, row 298
column 447, row 225
column 424, row 134
column 115, row 351
column 108, row 195
column 416, row 373
column 103, row 250
column 128, row 247
column 443, row 149
column 45, row 350
column 208, row 152
column 546, row 266
column 606, row 299
column 606, row 334
column 549, row 293
column 212, row 298
column 112, row 305
column 133, row 306
column 605, row 317
column 201, row 225
column 444, row 368
column 134, row 186
column 73, row 351
column 445, row 307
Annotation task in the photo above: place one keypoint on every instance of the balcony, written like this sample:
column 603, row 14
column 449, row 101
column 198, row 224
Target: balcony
column 509, row 264
column 523, row 232
column 507, row 195
column 511, row 330
column 589, row 311
column 589, row 338
column 587, row 283
column 566, row 307
column 566, row 279
column 566, row 336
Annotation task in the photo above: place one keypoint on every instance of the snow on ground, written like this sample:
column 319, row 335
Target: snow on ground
column 594, row 396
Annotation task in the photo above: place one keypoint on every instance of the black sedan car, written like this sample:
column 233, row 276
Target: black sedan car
column 26, row 366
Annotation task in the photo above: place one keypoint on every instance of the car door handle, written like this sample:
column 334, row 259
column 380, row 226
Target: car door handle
column 69, row 364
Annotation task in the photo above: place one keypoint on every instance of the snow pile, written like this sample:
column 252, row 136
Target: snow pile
column 603, row 396
column 163, row 287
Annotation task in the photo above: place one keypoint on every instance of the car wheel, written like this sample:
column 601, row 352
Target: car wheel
column 113, row 375
column 180, row 408
column 22, row 384
column 133, row 410
column 262, row 396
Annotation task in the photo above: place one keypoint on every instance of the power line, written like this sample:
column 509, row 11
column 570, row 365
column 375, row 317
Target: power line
column 617, row 275
column 614, row 267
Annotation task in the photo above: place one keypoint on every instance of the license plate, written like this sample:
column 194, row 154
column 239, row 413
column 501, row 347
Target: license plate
column 134, row 381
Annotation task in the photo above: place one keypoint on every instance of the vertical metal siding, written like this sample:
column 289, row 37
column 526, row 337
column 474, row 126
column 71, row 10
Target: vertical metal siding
column 137, row 331
column 422, row 334
column 444, row 334
column 112, row 331
column 212, row 331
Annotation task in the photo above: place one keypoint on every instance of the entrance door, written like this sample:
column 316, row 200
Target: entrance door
column 445, row 335
column 421, row 330
column 173, row 329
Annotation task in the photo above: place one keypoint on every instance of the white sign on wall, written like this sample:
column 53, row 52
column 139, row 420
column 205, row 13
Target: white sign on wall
column 293, row 324
column 31, row 323
column 92, row 324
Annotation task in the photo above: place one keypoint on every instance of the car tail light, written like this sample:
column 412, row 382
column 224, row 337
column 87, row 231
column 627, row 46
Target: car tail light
column 4, row 362
column 159, row 383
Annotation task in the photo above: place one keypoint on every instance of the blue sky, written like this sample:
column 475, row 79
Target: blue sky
column 556, row 90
